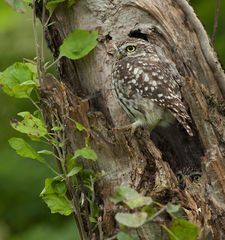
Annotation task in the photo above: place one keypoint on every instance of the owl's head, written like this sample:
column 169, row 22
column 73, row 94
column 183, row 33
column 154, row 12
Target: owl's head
column 193, row 176
column 131, row 47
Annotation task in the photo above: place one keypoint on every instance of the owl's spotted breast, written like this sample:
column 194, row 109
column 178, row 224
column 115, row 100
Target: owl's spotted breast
column 148, row 89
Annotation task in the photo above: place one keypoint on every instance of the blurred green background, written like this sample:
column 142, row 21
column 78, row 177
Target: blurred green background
column 23, row 215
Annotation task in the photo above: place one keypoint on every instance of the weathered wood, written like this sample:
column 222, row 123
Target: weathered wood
column 136, row 161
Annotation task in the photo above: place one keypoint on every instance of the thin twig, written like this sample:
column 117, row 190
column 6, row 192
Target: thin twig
column 100, row 231
column 163, row 209
column 35, row 104
column 53, row 63
column 36, row 42
column 216, row 21
column 43, row 39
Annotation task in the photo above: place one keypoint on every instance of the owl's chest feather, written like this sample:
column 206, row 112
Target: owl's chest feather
column 132, row 78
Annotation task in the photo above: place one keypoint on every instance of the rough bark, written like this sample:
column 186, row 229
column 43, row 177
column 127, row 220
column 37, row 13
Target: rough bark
column 148, row 165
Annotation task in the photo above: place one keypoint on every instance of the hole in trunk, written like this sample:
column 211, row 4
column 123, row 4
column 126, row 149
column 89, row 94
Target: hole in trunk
column 138, row 34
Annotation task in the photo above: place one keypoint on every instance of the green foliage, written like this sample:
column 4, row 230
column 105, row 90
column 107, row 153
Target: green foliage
column 30, row 125
column 74, row 171
column 125, row 236
column 130, row 197
column 52, row 4
column 18, row 5
column 71, row 2
column 19, row 80
column 80, row 127
column 86, row 153
column 78, row 44
column 54, row 195
column 132, row 220
column 144, row 212
column 24, row 149
column 182, row 229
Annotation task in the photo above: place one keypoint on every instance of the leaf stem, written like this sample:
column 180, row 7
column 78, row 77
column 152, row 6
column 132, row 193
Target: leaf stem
column 42, row 57
column 35, row 104
column 53, row 63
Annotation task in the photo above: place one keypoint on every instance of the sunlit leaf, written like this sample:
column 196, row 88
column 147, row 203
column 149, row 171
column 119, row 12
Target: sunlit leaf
column 70, row 3
column 29, row 125
column 85, row 152
column 19, row 80
column 92, row 220
column 52, row 4
column 54, row 195
column 125, row 236
column 24, row 149
column 57, row 128
column 133, row 220
column 130, row 197
column 17, row 5
column 74, row 171
column 78, row 44
column 182, row 229
column 79, row 126
column 173, row 209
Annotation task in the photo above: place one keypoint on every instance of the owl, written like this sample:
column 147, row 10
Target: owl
column 147, row 86
column 193, row 175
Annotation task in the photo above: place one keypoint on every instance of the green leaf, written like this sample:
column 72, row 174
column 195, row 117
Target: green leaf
column 133, row 220
column 17, row 5
column 182, row 229
column 173, row 209
column 92, row 220
column 30, row 125
column 24, row 149
column 74, row 171
column 57, row 128
column 54, row 195
column 85, row 152
column 29, row 1
column 125, row 236
column 79, row 126
column 70, row 3
column 130, row 197
column 19, row 80
column 52, row 4
column 78, row 44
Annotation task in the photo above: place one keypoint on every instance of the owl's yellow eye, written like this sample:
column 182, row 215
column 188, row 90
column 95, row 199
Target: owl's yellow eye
column 130, row 48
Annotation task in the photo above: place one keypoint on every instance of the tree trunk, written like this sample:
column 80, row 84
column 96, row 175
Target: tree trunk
column 147, row 163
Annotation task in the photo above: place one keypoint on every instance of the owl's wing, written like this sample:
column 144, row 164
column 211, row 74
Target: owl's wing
column 163, row 88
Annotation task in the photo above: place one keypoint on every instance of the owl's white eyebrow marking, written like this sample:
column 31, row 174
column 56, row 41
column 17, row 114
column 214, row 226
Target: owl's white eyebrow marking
column 160, row 95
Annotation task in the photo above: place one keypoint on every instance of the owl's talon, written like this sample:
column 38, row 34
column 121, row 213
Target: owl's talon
column 130, row 127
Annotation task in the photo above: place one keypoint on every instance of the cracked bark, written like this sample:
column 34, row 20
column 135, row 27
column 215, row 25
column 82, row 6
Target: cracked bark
column 148, row 165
